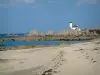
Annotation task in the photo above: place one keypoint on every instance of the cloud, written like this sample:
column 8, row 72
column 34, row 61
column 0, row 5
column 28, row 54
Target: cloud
column 25, row 1
column 87, row 2
column 9, row 3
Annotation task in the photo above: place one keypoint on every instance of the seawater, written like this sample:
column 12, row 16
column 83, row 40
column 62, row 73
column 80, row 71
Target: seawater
column 10, row 43
column 21, row 43
column 6, row 36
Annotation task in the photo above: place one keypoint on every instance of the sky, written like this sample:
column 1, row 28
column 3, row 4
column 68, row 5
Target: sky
column 22, row 16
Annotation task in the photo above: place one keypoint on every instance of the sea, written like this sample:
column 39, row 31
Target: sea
column 11, row 43
column 6, row 36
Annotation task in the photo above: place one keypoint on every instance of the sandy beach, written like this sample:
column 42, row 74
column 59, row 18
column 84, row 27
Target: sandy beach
column 75, row 59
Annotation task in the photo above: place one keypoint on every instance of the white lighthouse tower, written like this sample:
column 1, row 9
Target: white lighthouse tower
column 70, row 24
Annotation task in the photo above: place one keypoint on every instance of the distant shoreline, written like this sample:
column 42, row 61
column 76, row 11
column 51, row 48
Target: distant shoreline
column 46, row 38
column 50, row 38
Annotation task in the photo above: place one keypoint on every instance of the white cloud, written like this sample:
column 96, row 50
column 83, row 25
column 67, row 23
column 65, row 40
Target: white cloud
column 25, row 1
column 87, row 2
column 9, row 3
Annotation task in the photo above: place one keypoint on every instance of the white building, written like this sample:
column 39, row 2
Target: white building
column 75, row 27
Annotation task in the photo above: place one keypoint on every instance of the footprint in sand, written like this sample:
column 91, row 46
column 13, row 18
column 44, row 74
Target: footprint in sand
column 57, row 63
column 93, row 61
column 87, row 57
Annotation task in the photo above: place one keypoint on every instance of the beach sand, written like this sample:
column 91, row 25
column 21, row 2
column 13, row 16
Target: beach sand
column 75, row 59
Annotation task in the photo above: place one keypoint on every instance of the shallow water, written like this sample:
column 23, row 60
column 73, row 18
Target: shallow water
column 19, row 43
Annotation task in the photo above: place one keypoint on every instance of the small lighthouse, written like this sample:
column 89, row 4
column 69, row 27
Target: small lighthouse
column 73, row 27
column 70, row 24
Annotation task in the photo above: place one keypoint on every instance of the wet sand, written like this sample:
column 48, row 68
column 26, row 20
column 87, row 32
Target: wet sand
column 75, row 59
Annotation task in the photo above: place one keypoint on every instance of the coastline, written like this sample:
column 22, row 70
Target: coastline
column 42, row 45
column 25, row 47
column 75, row 59
column 40, row 38
column 51, row 38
